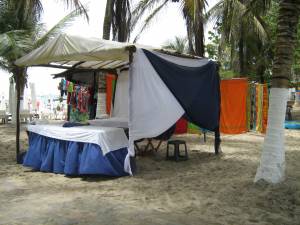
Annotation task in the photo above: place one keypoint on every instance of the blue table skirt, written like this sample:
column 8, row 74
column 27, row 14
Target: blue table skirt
column 72, row 158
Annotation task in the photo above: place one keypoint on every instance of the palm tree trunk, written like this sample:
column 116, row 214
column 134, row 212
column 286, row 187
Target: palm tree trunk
column 241, row 52
column 19, row 74
column 108, row 19
column 18, row 90
column 189, row 31
column 272, row 163
column 198, row 27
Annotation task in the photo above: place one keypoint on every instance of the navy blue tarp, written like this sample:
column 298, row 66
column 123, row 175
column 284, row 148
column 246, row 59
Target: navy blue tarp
column 197, row 89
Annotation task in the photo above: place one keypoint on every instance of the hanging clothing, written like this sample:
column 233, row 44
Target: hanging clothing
column 70, row 87
column 233, row 106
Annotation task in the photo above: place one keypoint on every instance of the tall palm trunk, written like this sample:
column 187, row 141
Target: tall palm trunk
column 19, row 76
column 108, row 19
column 190, row 36
column 121, row 21
column 241, row 53
column 272, row 164
column 198, row 27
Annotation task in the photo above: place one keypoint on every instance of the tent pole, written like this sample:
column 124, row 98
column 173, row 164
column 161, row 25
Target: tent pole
column 18, row 115
column 217, row 141
column 217, row 131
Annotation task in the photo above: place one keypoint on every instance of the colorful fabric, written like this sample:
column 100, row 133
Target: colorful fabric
column 193, row 129
column 259, row 107
column 181, row 126
column 253, row 105
column 64, row 86
column 70, row 87
column 233, row 106
column 79, row 102
column 110, row 87
column 77, row 116
column 248, row 110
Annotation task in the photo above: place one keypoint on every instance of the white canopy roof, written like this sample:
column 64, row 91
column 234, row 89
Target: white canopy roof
column 68, row 51
column 73, row 51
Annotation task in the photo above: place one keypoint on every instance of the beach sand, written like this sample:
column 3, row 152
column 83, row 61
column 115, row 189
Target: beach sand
column 206, row 189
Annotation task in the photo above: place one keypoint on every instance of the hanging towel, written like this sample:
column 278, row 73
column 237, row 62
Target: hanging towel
column 233, row 106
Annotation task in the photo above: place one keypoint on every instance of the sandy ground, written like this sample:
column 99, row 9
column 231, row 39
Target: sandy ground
column 206, row 189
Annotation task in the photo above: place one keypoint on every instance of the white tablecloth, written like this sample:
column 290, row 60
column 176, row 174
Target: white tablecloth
column 111, row 122
column 108, row 138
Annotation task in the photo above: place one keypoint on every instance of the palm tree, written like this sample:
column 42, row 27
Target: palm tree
column 118, row 18
column 179, row 45
column 20, row 33
column 193, row 13
column 241, row 26
column 272, row 164
column 108, row 19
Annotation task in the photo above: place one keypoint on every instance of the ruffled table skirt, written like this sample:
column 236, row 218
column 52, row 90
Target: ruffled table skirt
column 72, row 158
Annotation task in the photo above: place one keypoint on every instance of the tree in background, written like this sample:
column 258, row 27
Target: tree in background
column 117, row 19
column 193, row 13
column 20, row 33
column 243, row 29
column 179, row 45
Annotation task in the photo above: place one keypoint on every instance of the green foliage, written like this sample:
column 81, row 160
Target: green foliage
column 179, row 45
column 21, row 30
column 296, row 65
column 213, row 47
column 192, row 11
column 227, row 74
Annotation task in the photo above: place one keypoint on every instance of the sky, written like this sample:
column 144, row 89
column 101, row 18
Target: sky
column 168, row 24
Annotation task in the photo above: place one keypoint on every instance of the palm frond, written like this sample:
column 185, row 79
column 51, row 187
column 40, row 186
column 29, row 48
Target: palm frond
column 140, row 9
column 148, row 20
column 4, row 65
column 14, row 44
column 215, row 13
column 178, row 45
column 79, row 7
column 261, row 5
column 57, row 28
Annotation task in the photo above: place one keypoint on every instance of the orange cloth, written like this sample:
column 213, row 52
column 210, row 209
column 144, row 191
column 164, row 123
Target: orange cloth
column 110, row 79
column 265, row 108
column 233, row 106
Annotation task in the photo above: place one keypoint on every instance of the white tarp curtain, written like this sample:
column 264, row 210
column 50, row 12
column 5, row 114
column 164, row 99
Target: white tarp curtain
column 152, row 107
column 121, row 102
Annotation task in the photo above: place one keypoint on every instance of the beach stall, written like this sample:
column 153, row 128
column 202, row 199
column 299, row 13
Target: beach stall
column 154, row 89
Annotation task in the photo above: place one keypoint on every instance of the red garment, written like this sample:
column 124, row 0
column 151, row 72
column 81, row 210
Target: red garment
column 181, row 126
column 68, row 98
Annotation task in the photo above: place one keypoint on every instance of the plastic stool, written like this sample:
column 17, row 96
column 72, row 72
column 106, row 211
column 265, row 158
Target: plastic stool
column 177, row 155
